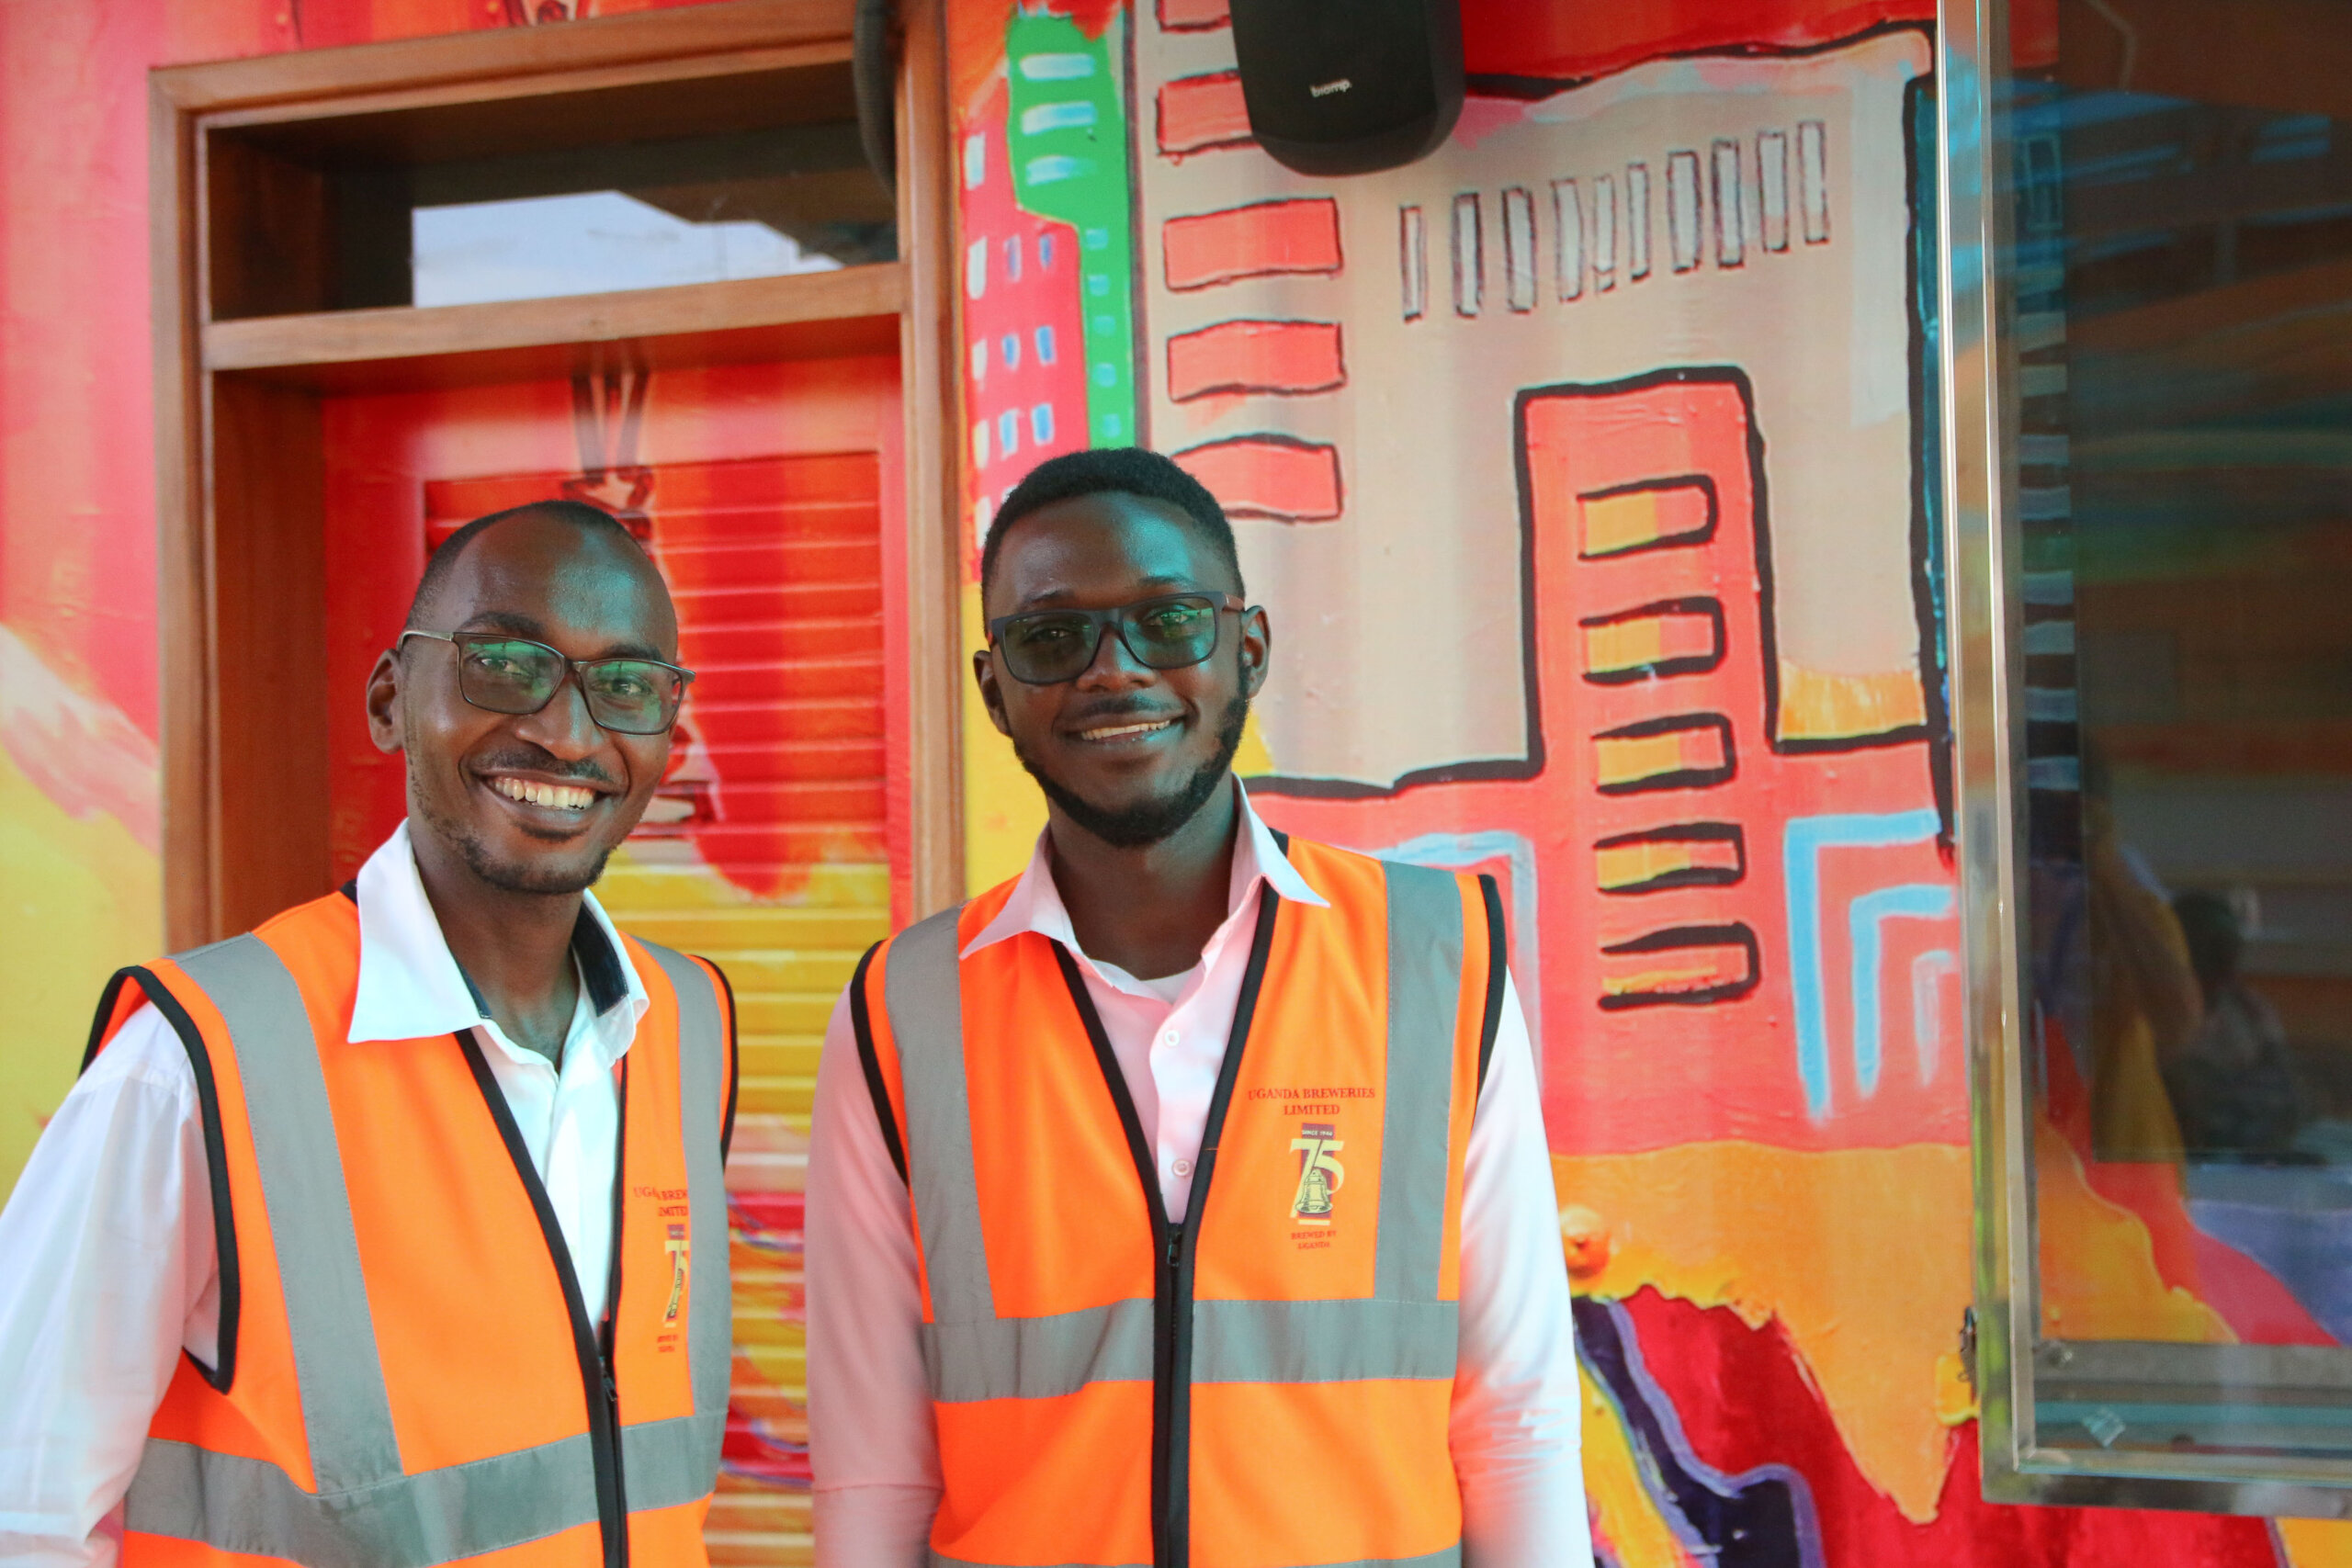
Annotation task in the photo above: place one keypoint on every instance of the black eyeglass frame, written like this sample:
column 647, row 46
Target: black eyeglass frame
column 1122, row 617
column 575, row 670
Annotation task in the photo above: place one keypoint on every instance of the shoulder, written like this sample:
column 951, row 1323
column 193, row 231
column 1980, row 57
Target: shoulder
column 1336, row 873
column 332, row 915
column 145, row 1054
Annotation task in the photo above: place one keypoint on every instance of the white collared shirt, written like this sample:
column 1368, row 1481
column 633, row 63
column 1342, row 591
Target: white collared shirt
column 112, row 1269
column 1515, row 1413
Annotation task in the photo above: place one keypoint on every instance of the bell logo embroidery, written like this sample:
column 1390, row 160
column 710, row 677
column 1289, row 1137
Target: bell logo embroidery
column 1320, row 1174
column 680, row 1249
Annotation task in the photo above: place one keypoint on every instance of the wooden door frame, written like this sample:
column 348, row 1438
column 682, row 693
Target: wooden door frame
column 207, row 593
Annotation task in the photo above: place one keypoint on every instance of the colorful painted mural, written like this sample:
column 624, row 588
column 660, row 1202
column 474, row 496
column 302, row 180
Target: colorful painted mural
column 1588, row 470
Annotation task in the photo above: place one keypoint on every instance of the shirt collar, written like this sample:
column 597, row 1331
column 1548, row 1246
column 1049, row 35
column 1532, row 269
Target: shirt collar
column 411, row 987
column 1037, row 904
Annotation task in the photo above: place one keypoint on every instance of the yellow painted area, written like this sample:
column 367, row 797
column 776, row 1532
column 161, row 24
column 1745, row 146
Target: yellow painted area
column 1621, row 1488
column 1626, row 645
column 1633, row 866
column 1614, row 523
column 1861, row 1254
column 1955, row 1395
column 1630, row 865
column 2098, row 1266
column 2316, row 1544
column 787, row 960
column 1627, row 759
column 1822, row 705
column 1691, row 978
column 78, row 899
column 1003, row 811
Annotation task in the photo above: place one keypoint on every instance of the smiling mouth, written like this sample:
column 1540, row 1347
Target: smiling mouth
column 1126, row 731
column 567, row 797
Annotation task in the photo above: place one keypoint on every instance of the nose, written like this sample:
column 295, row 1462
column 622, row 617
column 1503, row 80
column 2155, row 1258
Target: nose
column 564, row 726
column 1115, row 667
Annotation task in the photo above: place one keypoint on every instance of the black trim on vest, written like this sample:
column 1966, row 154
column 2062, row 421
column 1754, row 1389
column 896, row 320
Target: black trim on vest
column 861, row 1020
column 1497, row 970
column 605, row 1328
column 1176, row 1248
column 600, row 963
column 215, row 1153
column 596, row 1384
column 734, row 1063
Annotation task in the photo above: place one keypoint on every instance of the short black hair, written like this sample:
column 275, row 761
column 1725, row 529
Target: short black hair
column 443, row 559
column 1124, row 470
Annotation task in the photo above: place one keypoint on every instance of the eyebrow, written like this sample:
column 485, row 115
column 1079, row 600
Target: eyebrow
column 516, row 624
column 1153, row 587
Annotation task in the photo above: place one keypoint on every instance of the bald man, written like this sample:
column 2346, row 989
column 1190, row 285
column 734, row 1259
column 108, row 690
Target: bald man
column 392, row 1232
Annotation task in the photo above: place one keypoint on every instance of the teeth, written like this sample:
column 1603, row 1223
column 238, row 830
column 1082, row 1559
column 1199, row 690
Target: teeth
column 1119, row 731
column 533, row 793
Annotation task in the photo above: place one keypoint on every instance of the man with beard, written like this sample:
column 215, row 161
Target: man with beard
column 394, row 1231
column 1184, row 1200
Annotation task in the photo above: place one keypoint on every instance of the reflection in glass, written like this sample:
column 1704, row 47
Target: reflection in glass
column 638, row 215
column 2183, row 279
column 540, row 247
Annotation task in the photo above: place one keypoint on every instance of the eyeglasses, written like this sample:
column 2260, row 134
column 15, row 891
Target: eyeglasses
column 515, row 675
column 1043, row 647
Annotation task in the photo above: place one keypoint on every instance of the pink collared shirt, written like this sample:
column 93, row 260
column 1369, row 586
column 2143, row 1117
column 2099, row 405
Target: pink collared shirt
column 1514, row 1426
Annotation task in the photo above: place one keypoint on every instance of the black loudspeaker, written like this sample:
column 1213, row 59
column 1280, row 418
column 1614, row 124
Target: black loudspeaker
column 1349, row 86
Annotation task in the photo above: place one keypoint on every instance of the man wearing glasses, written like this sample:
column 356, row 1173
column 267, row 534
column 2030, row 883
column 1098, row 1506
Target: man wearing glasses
column 1184, row 1200
column 392, row 1232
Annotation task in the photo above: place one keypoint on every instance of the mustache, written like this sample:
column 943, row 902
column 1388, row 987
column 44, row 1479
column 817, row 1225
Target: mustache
column 1116, row 709
column 537, row 759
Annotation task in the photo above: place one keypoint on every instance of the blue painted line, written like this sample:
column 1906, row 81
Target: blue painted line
column 1802, row 840
column 1866, row 918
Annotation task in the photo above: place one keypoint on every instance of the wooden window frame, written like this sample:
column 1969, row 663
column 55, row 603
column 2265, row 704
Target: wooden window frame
column 234, row 768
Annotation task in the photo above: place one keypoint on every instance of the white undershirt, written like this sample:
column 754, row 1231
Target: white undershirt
column 112, row 1271
column 1514, row 1425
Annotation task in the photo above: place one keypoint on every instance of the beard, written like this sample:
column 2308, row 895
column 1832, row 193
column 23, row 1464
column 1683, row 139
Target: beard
column 511, row 877
column 555, row 880
column 1147, row 822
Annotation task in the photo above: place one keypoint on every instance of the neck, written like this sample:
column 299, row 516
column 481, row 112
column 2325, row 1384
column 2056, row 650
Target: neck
column 1151, row 909
column 515, row 947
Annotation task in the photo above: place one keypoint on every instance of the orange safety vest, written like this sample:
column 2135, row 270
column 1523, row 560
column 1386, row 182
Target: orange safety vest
column 1266, row 1384
column 407, row 1373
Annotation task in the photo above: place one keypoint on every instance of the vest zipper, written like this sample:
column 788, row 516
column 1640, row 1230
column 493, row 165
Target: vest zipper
column 596, row 1371
column 1177, row 1245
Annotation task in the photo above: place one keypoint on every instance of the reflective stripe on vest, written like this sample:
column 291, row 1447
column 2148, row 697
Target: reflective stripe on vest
column 1394, row 1330
column 367, row 1512
column 1403, row 1331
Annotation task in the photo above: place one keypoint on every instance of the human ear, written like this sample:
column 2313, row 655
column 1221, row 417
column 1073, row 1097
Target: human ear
column 1257, row 649
column 384, row 702
column 991, row 696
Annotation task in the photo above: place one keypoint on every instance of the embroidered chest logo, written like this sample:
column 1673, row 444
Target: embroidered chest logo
column 1319, row 1172
column 680, row 1250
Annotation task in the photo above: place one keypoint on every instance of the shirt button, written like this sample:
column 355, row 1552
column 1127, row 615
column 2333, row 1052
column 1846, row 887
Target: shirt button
column 1182, row 1168
column 1167, row 1037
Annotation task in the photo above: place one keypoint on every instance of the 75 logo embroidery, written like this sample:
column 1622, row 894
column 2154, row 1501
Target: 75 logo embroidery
column 1321, row 1173
column 679, row 1247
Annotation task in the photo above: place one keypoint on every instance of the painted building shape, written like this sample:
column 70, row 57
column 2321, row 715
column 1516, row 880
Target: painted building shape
column 1307, row 342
